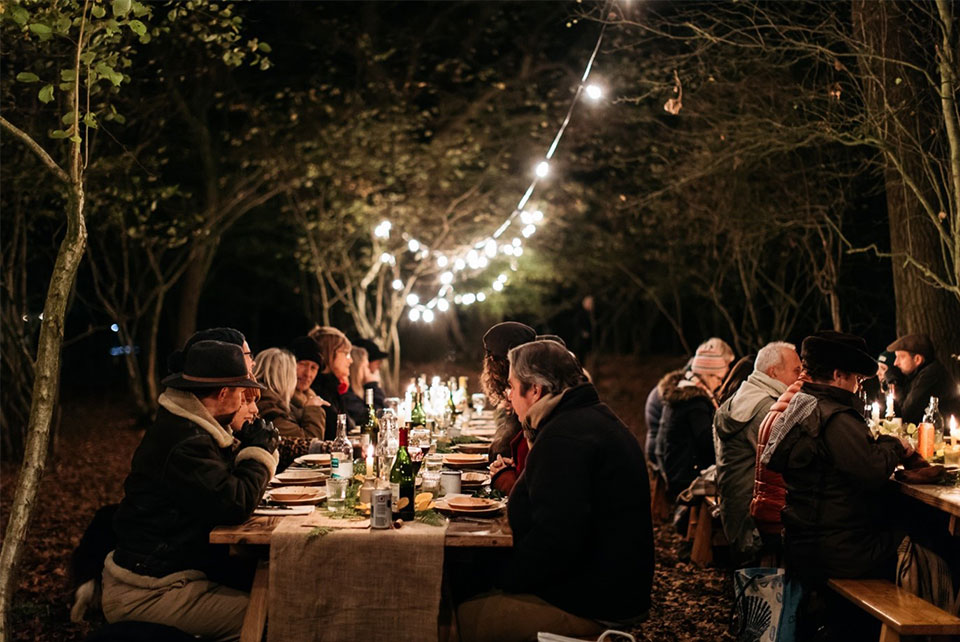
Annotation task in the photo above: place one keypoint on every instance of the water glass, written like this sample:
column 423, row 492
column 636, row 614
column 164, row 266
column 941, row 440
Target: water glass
column 336, row 493
column 433, row 463
column 479, row 400
column 431, row 483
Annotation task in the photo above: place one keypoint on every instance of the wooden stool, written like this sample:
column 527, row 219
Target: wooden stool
column 900, row 612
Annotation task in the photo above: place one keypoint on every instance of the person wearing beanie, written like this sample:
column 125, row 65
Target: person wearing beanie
column 685, row 439
column 923, row 377
column 836, row 518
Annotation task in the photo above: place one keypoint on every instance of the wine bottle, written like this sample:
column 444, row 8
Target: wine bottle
column 371, row 429
column 933, row 417
column 451, row 402
column 401, row 481
column 342, row 451
column 418, row 418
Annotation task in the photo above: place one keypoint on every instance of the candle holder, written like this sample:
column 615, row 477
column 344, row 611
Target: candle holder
column 367, row 488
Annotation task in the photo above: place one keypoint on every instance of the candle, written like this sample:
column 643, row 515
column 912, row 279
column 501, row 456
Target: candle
column 875, row 413
column 954, row 431
column 369, row 461
column 890, row 411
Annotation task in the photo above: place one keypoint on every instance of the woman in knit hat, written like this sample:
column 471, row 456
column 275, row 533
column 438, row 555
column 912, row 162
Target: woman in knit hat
column 685, row 438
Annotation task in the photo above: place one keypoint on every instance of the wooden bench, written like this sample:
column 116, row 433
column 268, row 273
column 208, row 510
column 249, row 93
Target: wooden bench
column 660, row 506
column 701, row 531
column 900, row 612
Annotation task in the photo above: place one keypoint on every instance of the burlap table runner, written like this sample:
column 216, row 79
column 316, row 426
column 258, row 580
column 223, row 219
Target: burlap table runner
column 353, row 583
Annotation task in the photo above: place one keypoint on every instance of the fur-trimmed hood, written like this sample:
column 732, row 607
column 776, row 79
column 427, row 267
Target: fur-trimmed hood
column 185, row 404
column 676, row 388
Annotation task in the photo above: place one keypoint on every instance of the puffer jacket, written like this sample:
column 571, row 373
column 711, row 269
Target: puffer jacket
column 685, row 439
column 769, row 490
column 186, row 478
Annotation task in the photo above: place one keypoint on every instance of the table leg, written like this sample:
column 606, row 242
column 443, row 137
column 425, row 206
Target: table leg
column 954, row 526
column 256, row 615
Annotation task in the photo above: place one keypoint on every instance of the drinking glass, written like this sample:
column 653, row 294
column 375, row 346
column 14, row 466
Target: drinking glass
column 336, row 493
column 431, row 483
column 479, row 400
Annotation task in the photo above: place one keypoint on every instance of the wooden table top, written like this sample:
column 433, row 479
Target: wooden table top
column 946, row 498
column 461, row 532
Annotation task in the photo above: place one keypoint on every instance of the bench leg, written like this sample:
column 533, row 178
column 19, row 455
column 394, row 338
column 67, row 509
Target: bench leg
column 702, row 552
column 256, row 615
column 888, row 635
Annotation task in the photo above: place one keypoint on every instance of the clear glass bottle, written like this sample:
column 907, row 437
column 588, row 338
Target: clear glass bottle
column 371, row 429
column 932, row 416
column 342, row 451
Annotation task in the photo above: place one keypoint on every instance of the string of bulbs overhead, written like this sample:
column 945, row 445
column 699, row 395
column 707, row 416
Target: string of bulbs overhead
column 477, row 256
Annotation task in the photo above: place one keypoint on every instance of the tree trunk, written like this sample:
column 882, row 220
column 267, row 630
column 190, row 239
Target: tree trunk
column 45, row 388
column 150, row 362
column 191, row 289
column 890, row 88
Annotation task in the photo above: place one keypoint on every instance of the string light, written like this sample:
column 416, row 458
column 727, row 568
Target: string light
column 397, row 284
column 488, row 247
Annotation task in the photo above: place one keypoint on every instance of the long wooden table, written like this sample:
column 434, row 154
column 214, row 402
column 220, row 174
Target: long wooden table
column 462, row 532
column 945, row 498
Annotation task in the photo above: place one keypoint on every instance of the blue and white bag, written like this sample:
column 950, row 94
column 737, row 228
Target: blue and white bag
column 766, row 605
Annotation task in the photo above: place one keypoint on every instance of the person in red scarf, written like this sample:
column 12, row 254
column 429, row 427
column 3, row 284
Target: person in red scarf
column 334, row 380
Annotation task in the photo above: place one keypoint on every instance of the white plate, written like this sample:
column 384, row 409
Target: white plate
column 316, row 459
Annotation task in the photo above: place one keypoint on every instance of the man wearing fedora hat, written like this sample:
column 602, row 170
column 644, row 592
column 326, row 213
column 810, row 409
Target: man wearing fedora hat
column 835, row 520
column 189, row 474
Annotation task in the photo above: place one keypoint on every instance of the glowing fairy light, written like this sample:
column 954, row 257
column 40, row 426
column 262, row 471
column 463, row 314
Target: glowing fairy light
column 543, row 168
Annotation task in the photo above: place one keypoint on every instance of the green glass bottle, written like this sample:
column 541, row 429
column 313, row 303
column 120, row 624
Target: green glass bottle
column 401, row 481
column 418, row 418
column 371, row 429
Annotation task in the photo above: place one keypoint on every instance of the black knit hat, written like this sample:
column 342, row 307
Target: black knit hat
column 213, row 364
column 502, row 337
column 838, row 351
column 306, row 349
column 374, row 353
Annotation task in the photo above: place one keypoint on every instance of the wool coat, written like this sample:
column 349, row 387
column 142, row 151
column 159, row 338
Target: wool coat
column 580, row 513
column 769, row 489
column 836, row 520
column 929, row 380
column 685, row 439
column 292, row 422
column 186, row 478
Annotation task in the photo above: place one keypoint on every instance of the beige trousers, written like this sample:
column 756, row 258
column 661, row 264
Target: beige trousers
column 186, row 600
column 501, row 617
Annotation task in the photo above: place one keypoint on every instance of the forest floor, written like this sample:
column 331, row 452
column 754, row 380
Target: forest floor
column 93, row 457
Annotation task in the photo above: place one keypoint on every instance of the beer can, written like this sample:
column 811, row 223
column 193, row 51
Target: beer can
column 380, row 512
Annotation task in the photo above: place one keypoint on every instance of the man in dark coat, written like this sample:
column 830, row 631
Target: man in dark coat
column 924, row 377
column 580, row 512
column 836, row 520
column 189, row 474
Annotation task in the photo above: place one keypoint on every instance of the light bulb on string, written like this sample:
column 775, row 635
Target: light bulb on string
column 537, row 216
column 481, row 297
column 397, row 284
column 528, row 231
column 446, row 278
column 413, row 245
column 442, row 261
column 382, row 230
column 502, row 278
column 490, row 248
column 483, row 262
column 458, row 299
column 458, row 265
column 507, row 249
column 427, row 316
column 517, row 242
column 593, row 92
column 518, row 252
column 443, row 305
column 543, row 168
column 414, row 314
column 412, row 299
column 469, row 298
column 386, row 257
column 498, row 286
column 526, row 217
